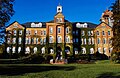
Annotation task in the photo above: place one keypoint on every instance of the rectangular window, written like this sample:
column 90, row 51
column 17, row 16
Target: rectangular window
column 82, row 33
column 59, row 30
column 104, row 41
column 29, row 41
column 76, row 40
column 41, row 32
column 97, row 33
column 14, row 32
column 36, row 40
column 14, row 40
column 44, row 40
column 76, row 32
column 41, row 41
column 44, row 32
column 89, row 33
column 20, row 40
column 32, row 40
column 8, row 40
column 67, row 30
column 51, row 30
column 108, row 32
column 98, row 41
column 35, row 32
column 103, row 33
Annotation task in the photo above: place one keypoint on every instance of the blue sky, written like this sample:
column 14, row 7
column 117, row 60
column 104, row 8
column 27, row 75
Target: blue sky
column 73, row 10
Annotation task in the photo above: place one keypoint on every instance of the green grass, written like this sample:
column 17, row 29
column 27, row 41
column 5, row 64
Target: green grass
column 60, row 71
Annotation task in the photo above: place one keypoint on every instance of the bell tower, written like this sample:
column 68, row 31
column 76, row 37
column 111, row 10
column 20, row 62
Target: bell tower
column 59, row 8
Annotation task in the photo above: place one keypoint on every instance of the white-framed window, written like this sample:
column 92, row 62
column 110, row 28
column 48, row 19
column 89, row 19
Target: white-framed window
column 59, row 39
column 8, row 49
column 13, row 50
column 104, row 40
column 67, row 39
column 20, row 40
column 41, row 41
column 27, row 50
column 19, row 49
column 98, row 40
column 35, row 49
column 29, row 40
column 89, row 41
column 50, row 39
column 37, row 40
column 83, row 50
column 44, row 32
column 28, row 32
column 91, row 51
column 44, row 40
column 103, row 32
column 51, row 30
column 35, row 32
column 20, row 32
column 51, row 51
column 99, row 50
column 104, row 50
column 92, row 40
column 8, row 40
column 26, row 40
column 14, row 40
column 89, row 33
column 110, row 50
column 59, row 30
column 43, row 50
column 41, row 32
column 67, row 30
column 84, row 41
column 108, row 32
column 97, row 33
column 14, row 32
column 82, row 33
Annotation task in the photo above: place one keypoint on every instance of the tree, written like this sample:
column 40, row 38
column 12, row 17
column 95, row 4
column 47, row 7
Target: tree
column 116, row 29
column 6, row 12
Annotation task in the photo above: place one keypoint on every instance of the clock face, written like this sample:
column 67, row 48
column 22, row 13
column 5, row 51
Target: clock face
column 59, row 9
column 59, row 20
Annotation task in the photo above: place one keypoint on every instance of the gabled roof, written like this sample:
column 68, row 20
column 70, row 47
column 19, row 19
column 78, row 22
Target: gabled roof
column 104, row 23
column 89, row 24
column 28, row 24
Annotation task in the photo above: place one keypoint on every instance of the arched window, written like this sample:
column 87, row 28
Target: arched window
column 35, row 49
column 104, row 40
column 19, row 49
column 83, row 50
column 13, row 50
column 99, row 50
column 27, row 50
column 43, row 50
column 14, row 32
column 8, row 49
column 98, row 40
column 51, row 51
column 59, row 39
column 20, row 32
column 91, row 51
column 67, row 38
column 32, row 24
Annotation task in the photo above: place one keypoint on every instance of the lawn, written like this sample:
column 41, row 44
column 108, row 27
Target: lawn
column 60, row 71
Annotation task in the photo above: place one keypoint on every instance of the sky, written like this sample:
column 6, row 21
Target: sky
column 73, row 10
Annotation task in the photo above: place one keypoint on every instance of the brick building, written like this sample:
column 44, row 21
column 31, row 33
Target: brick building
column 58, row 38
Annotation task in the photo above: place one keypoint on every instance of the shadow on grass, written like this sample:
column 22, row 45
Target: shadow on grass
column 19, row 70
column 108, row 75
